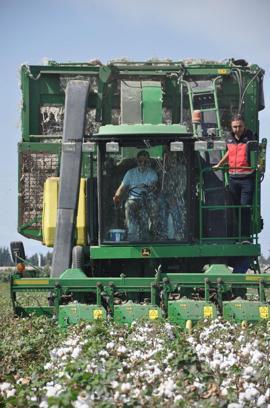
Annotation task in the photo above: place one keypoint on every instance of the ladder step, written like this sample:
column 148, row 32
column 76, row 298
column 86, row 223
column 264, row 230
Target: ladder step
column 202, row 91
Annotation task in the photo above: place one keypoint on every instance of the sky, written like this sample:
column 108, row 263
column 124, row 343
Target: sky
column 82, row 30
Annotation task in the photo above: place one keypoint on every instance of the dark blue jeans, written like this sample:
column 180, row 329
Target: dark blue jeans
column 242, row 190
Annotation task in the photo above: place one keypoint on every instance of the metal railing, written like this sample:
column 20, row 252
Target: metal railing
column 236, row 211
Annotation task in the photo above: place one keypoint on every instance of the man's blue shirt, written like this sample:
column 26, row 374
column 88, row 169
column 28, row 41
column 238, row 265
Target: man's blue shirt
column 135, row 177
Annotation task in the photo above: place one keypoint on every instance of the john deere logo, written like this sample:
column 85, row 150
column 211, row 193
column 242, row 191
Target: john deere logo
column 153, row 314
column 207, row 311
column 97, row 314
column 264, row 312
column 146, row 252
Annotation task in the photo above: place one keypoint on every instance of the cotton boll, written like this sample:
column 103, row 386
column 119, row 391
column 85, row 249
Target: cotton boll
column 261, row 401
column 104, row 353
column 5, row 386
column 198, row 385
column 76, row 352
column 245, row 352
column 135, row 393
column 241, row 397
column 72, row 341
column 122, row 350
column 43, row 404
column 224, row 392
column 157, row 372
column 257, row 356
column 248, row 372
column 10, row 393
column 83, row 400
column 53, row 390
column 48, row 366
column 251, row 393
column 80, row 404
column 125, row 387
column 114, row 384
column 267, row 393
column 167, row 388
column 110, row 345
column 116, row 395
column 178, row 398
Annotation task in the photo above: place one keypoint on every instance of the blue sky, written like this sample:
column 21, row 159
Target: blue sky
column 82, row 30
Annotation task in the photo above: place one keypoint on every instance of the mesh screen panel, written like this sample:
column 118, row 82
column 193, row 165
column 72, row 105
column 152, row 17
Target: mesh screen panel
column 35, row 169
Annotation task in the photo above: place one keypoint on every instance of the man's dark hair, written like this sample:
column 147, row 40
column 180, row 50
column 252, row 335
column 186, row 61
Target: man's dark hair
column 237, row 116
column 143, row 153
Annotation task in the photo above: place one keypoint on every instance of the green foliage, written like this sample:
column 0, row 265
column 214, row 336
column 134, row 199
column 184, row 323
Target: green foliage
column 5, row 258
column 5, row 274
column 25, row 345
column 43, row 260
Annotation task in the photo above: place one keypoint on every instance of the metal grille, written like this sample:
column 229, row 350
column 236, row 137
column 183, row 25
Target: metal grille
column 35, row 169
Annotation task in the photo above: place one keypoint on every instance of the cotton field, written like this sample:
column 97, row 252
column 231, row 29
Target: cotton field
column 218, row 364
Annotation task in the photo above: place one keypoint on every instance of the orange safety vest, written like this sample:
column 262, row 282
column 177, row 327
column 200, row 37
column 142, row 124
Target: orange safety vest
column 239, row 163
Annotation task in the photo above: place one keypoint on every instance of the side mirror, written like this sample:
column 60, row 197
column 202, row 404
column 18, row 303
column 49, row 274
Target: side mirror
column 17, row 251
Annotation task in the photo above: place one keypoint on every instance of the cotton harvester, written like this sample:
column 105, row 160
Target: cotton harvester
column 83, row 125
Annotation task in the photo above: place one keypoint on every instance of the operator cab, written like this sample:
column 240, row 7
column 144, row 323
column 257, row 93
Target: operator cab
column 157, row 191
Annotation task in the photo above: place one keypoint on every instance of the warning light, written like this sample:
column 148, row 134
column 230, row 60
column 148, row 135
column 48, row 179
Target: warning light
column 20, row 267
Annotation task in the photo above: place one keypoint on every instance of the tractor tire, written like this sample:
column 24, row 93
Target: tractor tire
column 17, row 251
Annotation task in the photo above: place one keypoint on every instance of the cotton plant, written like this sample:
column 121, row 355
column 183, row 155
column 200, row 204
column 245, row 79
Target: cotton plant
column 238, row 359
column 143, row 364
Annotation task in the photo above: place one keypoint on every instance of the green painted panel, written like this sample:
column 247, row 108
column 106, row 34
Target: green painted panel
column 73, row 313
column 130, row 312
column 25, row 117
column 241, row 310
column 179, row 311
column 40, row 147
column 50, row 85
column 170, row 251
column 52, row 99
column 143, row 129
column 152, row 104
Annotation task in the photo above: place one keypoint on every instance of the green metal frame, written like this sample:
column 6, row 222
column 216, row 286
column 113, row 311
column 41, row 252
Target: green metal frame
column 143, row 129
column 136, row 251
column 41, row 86
column 217, row 278
column 255, row 210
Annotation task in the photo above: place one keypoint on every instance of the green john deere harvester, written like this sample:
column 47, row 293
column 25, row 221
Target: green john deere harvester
column 180, row 255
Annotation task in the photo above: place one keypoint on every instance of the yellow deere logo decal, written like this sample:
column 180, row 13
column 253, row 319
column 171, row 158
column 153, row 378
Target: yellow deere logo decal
column 264, row 312
column 223, row 71
column 208, row 311
column 97, row 314
column 153, row 314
